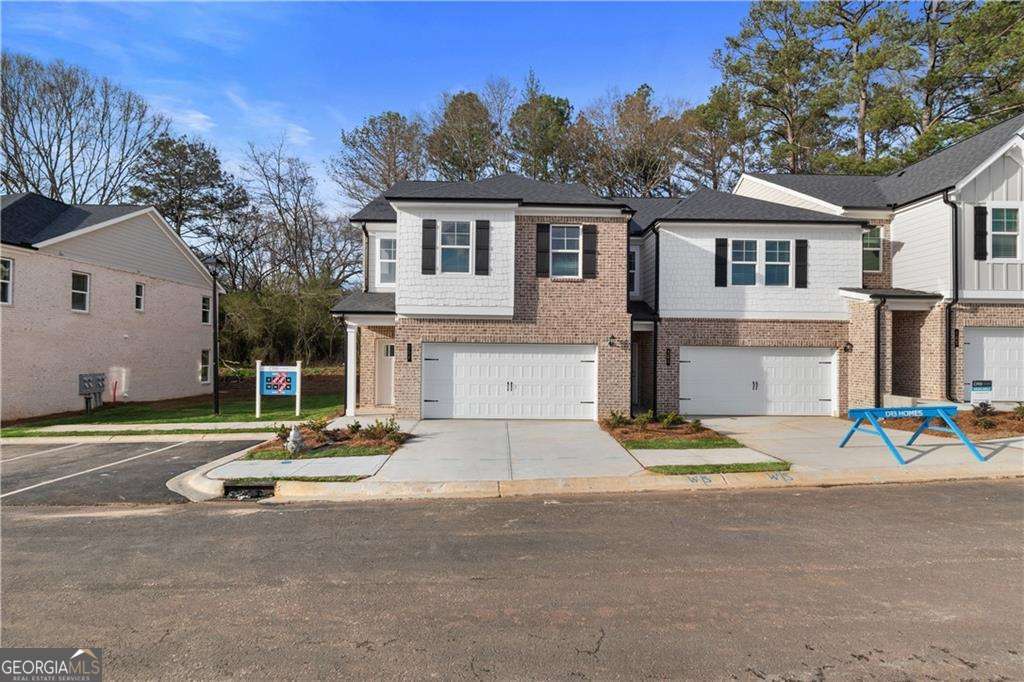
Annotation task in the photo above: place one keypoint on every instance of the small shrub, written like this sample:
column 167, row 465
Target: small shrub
column 984, row 409
column 355, row 427
column 379, row 430
column 671, row 419
column 335, row 435
column 316, row 424
column 282, row 431
column 643, row 419
column 617, row 420
column 396, row 437
column 696, row 424
column 985, row 422
column 1018, row 412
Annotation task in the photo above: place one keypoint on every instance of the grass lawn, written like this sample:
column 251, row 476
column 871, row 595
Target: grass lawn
column 739, row 468
column 681, row 443
column 336, row 451
column 312, row 479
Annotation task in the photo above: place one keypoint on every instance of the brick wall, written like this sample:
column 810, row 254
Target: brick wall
column 860, row 389
column 368, row 338
column 676, row 332
column 918, row 348
column 980, row 315
column 883, row 279
column 585, row 311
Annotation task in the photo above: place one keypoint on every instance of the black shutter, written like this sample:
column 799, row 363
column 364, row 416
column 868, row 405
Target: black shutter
column 589, row 251
column 721, row 262
column 543, row 250
column 483, row 247
column 980, row 233
column 801, row 264
column 429, row 266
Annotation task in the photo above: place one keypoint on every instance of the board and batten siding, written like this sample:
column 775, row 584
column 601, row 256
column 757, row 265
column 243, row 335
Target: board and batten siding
column 137, row 245
column 1003, row 180
column 765, row 191
column 921, row 246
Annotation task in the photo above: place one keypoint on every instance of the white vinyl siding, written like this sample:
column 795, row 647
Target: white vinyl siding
column 80, row 284
column 767, row 191
column 922, row 234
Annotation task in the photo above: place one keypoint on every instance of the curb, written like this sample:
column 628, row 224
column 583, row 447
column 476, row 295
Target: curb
column 305, row 491
column 196, row 486
column 152, row 438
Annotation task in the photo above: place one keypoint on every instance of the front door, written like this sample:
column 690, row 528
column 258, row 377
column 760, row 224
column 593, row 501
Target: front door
column 386, row 373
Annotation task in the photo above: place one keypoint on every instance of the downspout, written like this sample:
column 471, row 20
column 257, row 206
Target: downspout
column 366, row 258
column 657, row 315
column 879, row 312
column 950, row 315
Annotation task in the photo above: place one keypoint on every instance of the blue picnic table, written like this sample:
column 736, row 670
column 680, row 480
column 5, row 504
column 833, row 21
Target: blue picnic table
column 875, row 415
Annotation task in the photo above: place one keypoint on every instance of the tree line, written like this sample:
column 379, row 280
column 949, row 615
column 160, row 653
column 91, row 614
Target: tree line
column 839, row 86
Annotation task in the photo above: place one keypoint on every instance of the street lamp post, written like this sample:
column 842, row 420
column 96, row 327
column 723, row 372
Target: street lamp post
column 213, row 264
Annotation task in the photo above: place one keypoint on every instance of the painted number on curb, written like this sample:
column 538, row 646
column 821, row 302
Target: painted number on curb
column 780, row 476
column 701, row 479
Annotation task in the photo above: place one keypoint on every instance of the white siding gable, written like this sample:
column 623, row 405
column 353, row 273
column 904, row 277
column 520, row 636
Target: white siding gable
column 456, row 294
column 376, row 233
column 687, row 274
column 757, row 188
column 922, row 246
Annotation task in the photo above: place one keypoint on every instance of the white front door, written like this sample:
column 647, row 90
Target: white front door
column 385, row 372
column 994, row 354
column 717, row 380
column 509, row 381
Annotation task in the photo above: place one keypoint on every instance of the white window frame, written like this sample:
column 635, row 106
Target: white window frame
column 757, row 256
column 881, row 242
column 578, row 251
column 206, row 310
column 140, row 298
column 87, row 291
column 469, row 249
column 204, row 353
column 9, row 281
column 380, row 260
column 634, row 251
column 791, row 263
column 1019, row 205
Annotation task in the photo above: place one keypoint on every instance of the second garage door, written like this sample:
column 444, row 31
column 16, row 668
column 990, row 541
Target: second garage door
column 752, row 381
column 996, row 355
column 509, row 381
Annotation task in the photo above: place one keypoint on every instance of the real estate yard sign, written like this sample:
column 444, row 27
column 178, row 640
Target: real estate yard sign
column 279, row 380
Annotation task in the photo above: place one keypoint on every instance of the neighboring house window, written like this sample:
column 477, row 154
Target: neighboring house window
column 140, row 296
column 872, row 245
column 6, row 280
column 455, row 246
column 204, row 366
column 1005, row 231
column 634, row 284
column 565, row 251
column 776, row 263
column 387, row 257
column 80, row 292
column 206, row 310
column 744, row 262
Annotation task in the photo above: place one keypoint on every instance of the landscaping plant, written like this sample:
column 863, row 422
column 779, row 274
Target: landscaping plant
column 672, row 419
column 643, row 419
column 617, row 420
column 984, row 409
column 355, row 427
column 282, row 431
column 316, row 424
column 985, row 422
column 1018, row 412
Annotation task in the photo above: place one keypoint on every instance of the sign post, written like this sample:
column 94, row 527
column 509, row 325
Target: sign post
column 874, row 415
column 277, row 380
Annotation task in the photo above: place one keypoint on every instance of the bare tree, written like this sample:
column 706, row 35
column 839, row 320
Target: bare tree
column 500, row 96
column 385, row 149
column 70, row 135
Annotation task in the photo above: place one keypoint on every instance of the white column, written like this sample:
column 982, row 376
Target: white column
column 351, row 370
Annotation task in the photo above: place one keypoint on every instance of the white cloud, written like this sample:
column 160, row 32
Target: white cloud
column 266, row 115
column 193, row 120
column 296, row 134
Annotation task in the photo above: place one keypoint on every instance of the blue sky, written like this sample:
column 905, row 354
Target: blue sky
column 234, row 72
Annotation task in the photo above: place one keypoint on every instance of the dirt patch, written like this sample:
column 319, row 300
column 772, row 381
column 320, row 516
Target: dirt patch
column 1001, row 425
column 333, row 438
column 655, row 430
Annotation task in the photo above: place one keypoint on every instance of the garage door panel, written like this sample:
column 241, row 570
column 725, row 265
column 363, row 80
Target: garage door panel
column 471, row 381
column 995, row 354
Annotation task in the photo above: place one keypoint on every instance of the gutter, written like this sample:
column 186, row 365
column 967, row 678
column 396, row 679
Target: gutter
column 657, row 314
column 950, row 314
column 366, row 258
column 879, row 311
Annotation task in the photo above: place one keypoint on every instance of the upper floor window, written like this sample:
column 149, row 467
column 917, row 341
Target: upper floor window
column 455, row 246
column 6, row 280
column 140, row 296
column 206, row 310
column 871, row 242
column 744, row 262
column 632, row 279
column 1005, row 231
column 80, row 292
column 387, row 261
column 565, row 251
column 204, row 366
column 776, row 263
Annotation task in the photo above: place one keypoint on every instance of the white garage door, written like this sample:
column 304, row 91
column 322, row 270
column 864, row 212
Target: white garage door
column 995, row 354
column 727, row 380
column 514, row 381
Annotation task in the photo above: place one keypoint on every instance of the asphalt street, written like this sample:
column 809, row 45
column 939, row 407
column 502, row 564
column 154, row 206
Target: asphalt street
column 101, row 473
column 891, row 582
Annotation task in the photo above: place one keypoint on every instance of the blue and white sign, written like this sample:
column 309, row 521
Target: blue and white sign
column 275, row 380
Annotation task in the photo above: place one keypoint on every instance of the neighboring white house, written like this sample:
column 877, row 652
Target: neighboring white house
column 98, row 289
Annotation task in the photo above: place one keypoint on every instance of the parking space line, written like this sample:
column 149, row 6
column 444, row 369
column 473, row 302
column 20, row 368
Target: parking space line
column 89, row 471
column 41, row 452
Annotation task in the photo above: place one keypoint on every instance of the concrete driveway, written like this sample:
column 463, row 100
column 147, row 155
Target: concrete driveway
column 811, row 443
column 496, row 450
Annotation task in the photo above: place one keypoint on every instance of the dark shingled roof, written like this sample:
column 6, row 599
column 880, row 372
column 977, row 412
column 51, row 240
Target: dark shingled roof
column 28, row 219
column 706, row 205
column 931, row 175
column 365, row 302
column 377, row 211
column 641, row 311
column 648, row 209
column 892, row 293
column 509, row 187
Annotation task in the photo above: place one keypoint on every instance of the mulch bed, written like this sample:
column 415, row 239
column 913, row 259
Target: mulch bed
column 656, row 430
column 334, row 438
column 1007, row 424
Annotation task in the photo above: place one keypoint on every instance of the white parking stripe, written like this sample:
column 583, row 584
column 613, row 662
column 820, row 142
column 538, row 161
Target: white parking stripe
column 41, row 452
column 89, row 471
